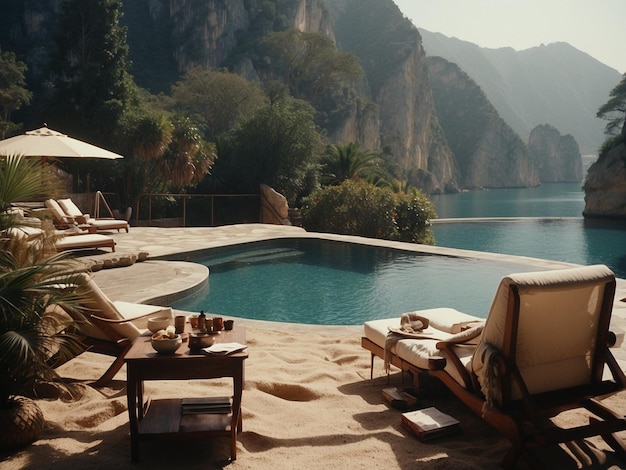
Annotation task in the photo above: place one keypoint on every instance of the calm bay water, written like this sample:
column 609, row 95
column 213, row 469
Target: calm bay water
column 548, row 200
column 572, row 239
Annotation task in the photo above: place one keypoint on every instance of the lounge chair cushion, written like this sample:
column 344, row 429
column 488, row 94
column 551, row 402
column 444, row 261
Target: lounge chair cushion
column 99, row 305
column 71, row 209
column 58, row 215
column 442, row 320
column 444, row 324
column 90, row 240
column 418, row 353
column 568, row 336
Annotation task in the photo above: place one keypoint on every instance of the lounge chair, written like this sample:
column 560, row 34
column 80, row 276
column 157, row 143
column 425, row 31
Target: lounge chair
column 65, row 213
column 84, row 241
column 70, row 239
column 110, row 328
column 543, row 350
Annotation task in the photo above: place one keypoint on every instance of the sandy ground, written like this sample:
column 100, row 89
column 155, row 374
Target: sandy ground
column 308, row 403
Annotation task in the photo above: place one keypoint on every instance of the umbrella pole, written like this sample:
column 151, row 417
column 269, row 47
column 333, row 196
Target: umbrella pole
column 88, row 195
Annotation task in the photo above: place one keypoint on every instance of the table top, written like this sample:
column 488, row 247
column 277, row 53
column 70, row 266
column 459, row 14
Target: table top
column 142, row 348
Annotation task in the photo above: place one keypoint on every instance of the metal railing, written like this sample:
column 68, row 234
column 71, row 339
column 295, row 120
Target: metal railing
column 185, row 198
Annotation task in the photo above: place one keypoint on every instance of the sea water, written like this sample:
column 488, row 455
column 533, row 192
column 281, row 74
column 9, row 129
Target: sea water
column 552, row 226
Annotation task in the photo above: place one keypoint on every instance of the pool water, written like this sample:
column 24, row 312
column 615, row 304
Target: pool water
column 325, row 282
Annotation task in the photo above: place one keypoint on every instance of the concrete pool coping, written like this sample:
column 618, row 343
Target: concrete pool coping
column 166, row 281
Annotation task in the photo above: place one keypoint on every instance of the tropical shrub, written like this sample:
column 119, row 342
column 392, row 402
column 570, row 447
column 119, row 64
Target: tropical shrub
column 34, row 338
column 359, row 208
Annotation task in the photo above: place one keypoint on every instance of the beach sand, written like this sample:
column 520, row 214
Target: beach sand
column 308, row 404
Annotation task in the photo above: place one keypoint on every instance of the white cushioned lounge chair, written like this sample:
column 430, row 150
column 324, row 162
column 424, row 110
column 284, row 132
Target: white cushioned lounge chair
column 66, row 213
column 110, row 328
column 68, row 239
column 544, row 349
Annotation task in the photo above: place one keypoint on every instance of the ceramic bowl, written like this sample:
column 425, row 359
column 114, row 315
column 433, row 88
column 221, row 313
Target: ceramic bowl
column 158, row 323
column 201, row 340
column 167, row 345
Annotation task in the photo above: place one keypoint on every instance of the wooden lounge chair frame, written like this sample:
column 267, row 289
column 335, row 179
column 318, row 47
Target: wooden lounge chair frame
column 521, row 415
column 108, row 328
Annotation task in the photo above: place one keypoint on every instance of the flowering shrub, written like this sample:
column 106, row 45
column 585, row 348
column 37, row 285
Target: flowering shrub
column 359, row 208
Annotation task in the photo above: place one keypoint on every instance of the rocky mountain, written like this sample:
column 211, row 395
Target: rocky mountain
column 482, row 143
column 555, row 84
column 556, row 157
column 392, row 106
column 605, row 184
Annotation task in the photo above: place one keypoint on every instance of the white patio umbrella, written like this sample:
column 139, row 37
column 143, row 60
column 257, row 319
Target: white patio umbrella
column 45, row 142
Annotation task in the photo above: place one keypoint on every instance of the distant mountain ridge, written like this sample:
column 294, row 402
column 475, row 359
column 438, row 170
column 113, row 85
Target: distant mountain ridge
column 555, row 84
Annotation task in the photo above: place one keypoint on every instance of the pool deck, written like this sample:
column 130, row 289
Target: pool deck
column 166, row 281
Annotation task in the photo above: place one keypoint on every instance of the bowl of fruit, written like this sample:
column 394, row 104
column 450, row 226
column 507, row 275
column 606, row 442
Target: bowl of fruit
column 166, row 341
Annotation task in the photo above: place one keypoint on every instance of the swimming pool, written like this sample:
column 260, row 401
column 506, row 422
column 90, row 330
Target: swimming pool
column 326, row 282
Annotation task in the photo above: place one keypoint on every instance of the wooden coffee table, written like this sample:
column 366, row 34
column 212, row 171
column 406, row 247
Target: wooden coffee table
column 163, row 419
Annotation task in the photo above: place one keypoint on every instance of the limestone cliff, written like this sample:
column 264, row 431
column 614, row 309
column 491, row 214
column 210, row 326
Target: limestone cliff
column 556, row 157
column 605, row 185
column 390, row 50
column 488, row 152
column 204, row 33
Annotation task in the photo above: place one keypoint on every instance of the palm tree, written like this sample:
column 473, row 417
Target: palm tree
column 34, row 337
column 343, row 162
column 188, row 158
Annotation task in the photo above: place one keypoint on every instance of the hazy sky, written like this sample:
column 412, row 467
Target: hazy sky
column 596, row 27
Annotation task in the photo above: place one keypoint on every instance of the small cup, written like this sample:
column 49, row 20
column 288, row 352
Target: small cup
column 193, row 320
column 179, row 323
column 228, row 324
column 210, row 325
column 218, row 323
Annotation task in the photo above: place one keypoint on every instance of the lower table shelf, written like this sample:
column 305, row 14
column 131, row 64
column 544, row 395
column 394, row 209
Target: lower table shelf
column 164, row 417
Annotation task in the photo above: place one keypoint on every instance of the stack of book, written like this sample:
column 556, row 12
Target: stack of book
column 212, row 405
column 430, row 423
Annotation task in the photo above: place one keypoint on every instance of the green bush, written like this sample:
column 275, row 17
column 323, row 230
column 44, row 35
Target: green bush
column 359, row 208
column 412, row 217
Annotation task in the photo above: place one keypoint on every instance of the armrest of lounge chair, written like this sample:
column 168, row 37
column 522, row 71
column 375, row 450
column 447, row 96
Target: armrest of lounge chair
column 466, row 338
column 126, row 319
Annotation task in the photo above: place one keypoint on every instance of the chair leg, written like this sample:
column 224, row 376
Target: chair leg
column 113, row 369
column 613, row 441
column 372, row 366
column 512, row 455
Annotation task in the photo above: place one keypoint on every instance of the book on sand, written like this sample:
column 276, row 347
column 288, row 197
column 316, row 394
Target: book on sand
column 399, row 399
column 429, row 423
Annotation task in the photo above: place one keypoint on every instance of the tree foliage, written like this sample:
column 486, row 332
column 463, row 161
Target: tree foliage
column 13, row 91
column 614, row 111
column 342, row 162
column 275, row 146
column 220, row 98
column 92, row 86
column 310, row 64
column 164, row 153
